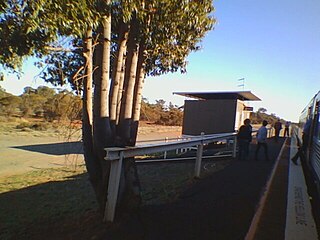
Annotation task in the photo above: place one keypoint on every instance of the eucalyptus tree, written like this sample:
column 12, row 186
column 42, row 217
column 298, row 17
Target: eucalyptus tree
column 107, row 50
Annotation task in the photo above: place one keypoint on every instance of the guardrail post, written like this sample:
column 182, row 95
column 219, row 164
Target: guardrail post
column 113, row 189
column 199, row 159
column 234, row 153
column 270, row 132
column 165, row 153
column 177, row 150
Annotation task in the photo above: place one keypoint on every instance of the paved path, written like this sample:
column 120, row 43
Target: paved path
column 220, row 206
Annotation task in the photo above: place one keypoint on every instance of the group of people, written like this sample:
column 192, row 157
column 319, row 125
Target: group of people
column 244, row 138
column 278, row 126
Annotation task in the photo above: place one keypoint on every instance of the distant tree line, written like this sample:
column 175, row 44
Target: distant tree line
column 160, row 113
column 51, row 105
column 43, row 102
column 260, row 115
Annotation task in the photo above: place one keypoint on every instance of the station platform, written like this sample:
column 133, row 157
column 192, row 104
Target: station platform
column 284, row 210
column 246, row 200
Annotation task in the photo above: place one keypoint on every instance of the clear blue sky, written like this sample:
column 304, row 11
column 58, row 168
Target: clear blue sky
column 274, row 45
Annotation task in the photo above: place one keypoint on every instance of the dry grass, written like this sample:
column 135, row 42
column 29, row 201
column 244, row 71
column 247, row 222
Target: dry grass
column 33, row 201
column 38, row 128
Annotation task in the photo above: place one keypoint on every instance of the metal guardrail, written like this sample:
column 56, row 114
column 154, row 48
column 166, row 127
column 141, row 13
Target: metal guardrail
column 114, row 152
column 117, row 155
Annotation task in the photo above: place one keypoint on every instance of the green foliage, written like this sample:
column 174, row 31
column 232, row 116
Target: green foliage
column 32, row 103
column 29, row 28
column 42, row 102
column 9, row 105
column 63, row 106
column 160, row 114
column 65, row 67
column 262, row 110
column 45, row 91
column 34, row 100
column 168, row 30
column 175, row 29
column 260, row 115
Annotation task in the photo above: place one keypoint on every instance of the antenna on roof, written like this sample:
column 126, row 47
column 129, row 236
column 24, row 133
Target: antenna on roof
column 241, row 83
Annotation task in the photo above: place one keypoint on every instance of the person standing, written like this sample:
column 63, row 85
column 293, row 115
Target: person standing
column 305, row 142
column 286, row 129
column 277, row 128
column 244, row 138
column 262, row 140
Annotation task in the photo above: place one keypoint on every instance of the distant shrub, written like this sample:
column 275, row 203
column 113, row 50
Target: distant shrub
column 40, row 126
column 24, row 125
column 26, row 129
column 34, row 126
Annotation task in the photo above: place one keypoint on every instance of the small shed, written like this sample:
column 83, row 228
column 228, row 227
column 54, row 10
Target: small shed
column 215, row 112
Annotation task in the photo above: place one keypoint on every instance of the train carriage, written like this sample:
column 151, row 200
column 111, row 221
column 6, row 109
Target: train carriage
column 311, row 112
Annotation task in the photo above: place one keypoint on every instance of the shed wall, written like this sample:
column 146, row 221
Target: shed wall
column 241, row 114
column 210, row 116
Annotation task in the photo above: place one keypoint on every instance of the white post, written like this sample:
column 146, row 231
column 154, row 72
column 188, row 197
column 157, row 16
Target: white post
column 165, row 153
column 234, row 153
column 113, row 189
column 271, row 132
column 177, row 150
column 199, row 159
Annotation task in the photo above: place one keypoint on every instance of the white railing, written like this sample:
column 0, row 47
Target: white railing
column 117, row 155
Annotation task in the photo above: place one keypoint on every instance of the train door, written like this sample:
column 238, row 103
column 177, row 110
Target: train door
column 315, row 149
column 317, row 122
column 314, row 130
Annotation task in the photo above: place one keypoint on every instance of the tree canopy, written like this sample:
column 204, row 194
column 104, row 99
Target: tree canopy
column 168, row 29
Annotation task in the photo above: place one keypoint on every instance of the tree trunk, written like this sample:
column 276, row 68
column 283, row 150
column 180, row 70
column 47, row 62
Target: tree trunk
column 120, row 91
column 129, row 83
column 129, row 194
column 138, row 94
column 116, row 75
column 92, row 163
column 105, row 67
column 102, row 135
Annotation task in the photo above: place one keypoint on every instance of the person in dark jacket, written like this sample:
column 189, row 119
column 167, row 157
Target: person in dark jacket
column 277, row 128
column 286, row 129
column 244, row 138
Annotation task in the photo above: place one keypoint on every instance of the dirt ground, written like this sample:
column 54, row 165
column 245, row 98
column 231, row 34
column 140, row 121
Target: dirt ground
column 26, row 151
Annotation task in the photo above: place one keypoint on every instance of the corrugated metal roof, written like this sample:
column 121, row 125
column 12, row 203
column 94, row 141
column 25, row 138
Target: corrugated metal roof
column 241, row 95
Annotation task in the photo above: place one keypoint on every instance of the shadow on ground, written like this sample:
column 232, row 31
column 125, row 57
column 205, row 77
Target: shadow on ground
column 53, row 210
column 54, row 148
column 218, row 206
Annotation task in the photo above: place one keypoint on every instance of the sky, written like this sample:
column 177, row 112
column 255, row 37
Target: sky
column 274, row 45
